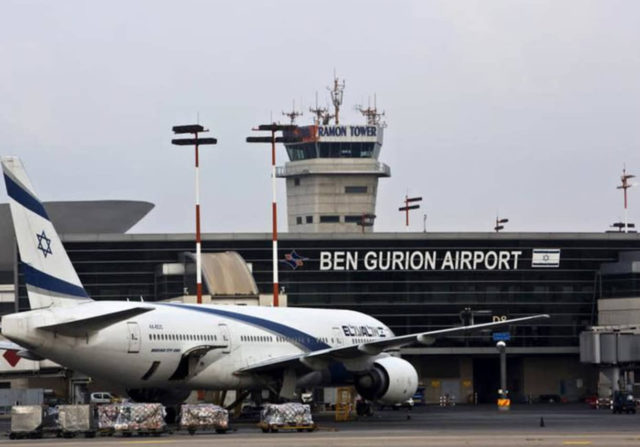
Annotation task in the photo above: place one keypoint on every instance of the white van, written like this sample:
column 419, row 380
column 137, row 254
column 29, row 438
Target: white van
column 102, row 397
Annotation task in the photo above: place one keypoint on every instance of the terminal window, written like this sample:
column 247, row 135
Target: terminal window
column 299, row 220
column 309, row 219
column 355, row 189
column 329, row 219
column 352, row 219
column 296, row 181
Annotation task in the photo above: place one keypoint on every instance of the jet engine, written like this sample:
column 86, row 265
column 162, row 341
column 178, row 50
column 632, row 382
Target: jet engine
column 391, row 380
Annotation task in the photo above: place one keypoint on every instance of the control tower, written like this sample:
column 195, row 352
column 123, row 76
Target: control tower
column 333, row 170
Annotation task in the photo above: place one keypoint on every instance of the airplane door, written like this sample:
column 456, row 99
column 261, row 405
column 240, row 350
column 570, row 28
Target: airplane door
column 226, row 338
column 338, row 337
column 134, row 337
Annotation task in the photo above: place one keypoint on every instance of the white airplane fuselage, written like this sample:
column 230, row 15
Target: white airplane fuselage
column 230, row 337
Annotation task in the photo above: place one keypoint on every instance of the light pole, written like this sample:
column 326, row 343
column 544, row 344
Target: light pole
column 625, row 185
column 366, row 221
column 195, row 129
column 407, row 207
column 273, row 128
column 503, row 399
column 500, row 224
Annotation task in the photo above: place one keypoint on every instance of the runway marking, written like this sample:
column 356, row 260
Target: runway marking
column 158, row 441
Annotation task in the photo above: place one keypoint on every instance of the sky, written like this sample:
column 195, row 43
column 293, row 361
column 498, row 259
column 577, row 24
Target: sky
column 526, row 109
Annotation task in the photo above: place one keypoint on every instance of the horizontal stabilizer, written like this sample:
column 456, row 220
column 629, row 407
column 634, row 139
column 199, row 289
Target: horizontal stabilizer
column 9, row 346
column 80, row 326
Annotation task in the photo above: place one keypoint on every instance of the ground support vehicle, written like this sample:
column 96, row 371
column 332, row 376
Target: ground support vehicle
column 623, row 403
column 128, row 419
column 33, row 421
column 290, row 416
column 200, row 417
column 74, row 420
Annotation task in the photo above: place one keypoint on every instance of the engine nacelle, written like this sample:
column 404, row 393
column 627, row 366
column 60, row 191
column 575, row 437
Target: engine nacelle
column 391, row 380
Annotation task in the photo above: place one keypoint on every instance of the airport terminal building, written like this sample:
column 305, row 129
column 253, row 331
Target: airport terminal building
column 412, row 282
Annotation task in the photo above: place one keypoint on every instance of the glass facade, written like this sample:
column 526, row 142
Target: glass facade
column 412, row 282
column 343, row 149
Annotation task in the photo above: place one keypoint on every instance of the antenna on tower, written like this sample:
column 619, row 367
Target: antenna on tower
column 293, row 114
column 319, row 112
column 371, row 114
column 337, row 92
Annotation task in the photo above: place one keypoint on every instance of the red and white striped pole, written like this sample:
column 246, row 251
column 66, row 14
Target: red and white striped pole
column 274, row 212
column 198, row 239
column 196, row 142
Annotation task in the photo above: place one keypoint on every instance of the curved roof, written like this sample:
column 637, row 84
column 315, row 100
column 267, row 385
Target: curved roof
column 86, row 216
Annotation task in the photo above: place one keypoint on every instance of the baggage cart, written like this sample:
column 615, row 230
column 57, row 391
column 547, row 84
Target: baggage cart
column 75, row 420
column 289, row 417
column 204, row 417
column 33, row 421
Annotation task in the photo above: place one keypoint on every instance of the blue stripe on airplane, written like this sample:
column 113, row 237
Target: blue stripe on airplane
column 17, row 193
column 308, row 341
column 36, row 278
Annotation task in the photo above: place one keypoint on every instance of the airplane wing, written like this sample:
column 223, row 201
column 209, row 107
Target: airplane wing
column 321, row 358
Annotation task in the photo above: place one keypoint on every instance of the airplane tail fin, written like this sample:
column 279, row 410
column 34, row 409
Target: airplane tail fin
column 49, row 275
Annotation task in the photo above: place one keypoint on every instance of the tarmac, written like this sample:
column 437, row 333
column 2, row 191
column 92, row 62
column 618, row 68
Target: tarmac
column 525, row 425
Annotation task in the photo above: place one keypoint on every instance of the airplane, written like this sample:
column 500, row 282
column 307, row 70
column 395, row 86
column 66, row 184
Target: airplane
column 162, row 351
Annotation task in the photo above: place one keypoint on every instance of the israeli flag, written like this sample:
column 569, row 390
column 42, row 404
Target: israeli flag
column 545, row 258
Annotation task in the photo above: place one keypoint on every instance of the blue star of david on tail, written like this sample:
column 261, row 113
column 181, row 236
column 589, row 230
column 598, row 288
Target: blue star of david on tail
column 44, row 244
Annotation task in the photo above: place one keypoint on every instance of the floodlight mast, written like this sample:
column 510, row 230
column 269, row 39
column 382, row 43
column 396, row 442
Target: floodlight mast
column 195, row 129
column 273, row 128
column 500, row 224
column 625, row 185
column 407, row 207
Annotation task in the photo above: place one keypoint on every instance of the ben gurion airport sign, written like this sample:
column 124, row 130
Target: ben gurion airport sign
column 346, row 260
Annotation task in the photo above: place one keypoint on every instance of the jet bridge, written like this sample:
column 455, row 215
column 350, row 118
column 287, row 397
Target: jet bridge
column 616, row 350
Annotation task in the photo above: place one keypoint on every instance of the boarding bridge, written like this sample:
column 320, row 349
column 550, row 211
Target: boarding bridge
column 616, row 350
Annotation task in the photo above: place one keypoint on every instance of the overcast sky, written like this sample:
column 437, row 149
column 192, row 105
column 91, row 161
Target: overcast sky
column 526, row 108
